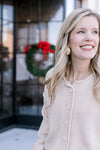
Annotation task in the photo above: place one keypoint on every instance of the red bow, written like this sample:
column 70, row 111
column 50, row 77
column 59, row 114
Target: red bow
column 45, row 46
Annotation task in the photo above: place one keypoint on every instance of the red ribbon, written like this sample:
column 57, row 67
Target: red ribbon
column 45, row 46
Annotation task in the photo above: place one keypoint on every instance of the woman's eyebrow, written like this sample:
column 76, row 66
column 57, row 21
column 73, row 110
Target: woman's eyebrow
column 86, row 29
column 96, row 29
column 79, row 29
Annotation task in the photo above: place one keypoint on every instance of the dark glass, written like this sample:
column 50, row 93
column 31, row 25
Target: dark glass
column 7, row 68
column 36, row 10
column 6, row 33
column 0, row 24
column 27, row 10
column 29, row 98
column 1, row 108
column 0, row 32
column 0, row 12
column 51, row 10
column 35, row 21
column 0, row 77
column 6, row 101
column 8, row 2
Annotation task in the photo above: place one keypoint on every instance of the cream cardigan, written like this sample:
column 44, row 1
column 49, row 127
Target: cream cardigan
column 73, row 120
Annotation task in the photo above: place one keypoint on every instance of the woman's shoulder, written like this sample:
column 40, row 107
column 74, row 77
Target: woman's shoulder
column 49, row 73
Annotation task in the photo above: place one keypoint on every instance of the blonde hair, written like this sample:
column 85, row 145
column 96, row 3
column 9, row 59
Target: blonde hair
column 62, row 61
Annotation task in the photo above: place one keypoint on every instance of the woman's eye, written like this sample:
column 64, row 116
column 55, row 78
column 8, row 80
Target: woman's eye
column 80, row 32
column 96, row 32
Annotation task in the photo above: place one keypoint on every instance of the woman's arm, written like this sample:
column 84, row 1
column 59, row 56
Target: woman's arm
column 43, row 130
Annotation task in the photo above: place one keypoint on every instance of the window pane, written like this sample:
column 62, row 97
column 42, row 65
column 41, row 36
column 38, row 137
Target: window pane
column 8, row 2
column 43, row 31
column 30, row 33
column 0, row 77
column 7, row 99
column 8, row 12
column 7, row 68
column 27, row 10
column 8, row 36
column 0, row 11
column 29, row 99
column 52, row 10
column 43, row 10
column 22, row 74
column 26, row 34
column 53, row 31
column 0, row 24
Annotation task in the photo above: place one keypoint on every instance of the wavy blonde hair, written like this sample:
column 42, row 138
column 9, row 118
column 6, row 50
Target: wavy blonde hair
column 63, row 62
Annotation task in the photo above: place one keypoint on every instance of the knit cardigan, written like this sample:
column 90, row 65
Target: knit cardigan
column 72, row 122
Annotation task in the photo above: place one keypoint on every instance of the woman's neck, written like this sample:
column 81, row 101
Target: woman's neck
column 79, row 70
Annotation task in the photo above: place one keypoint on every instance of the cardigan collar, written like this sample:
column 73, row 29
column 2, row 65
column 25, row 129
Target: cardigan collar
column 87, row 79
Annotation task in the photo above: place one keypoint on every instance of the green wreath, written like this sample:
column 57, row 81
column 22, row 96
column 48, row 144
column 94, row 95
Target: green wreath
column 43, row 48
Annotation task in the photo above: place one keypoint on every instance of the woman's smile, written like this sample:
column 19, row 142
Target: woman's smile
column 87, row 47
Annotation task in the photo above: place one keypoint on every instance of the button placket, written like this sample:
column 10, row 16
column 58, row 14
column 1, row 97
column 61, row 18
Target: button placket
column 71, row 113
column 69, row 107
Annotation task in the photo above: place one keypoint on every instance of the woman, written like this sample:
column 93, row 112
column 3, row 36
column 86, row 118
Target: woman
column 71, row 110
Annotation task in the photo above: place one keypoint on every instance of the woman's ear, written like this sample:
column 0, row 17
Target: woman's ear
column 69, row 45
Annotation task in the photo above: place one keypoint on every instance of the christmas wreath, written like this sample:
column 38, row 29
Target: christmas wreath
column 39, row 58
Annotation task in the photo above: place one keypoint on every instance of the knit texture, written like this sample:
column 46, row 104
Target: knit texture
column 73, row 120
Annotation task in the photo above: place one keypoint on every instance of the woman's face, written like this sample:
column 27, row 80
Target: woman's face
column 84, row 38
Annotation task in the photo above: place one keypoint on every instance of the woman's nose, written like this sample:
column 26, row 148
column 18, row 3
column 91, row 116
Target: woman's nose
column 89, row 36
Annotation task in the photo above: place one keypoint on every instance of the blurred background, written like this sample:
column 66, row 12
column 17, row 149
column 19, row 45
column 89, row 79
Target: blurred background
column 22, row 23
